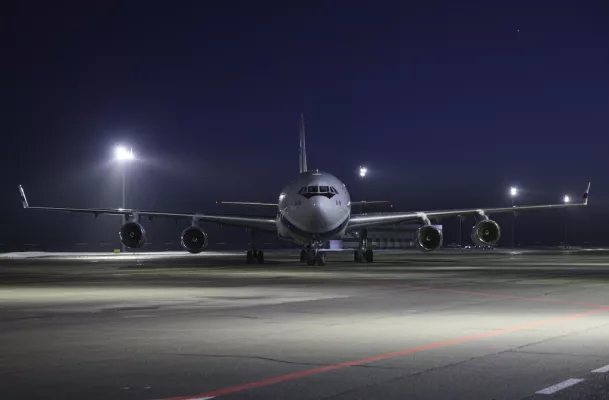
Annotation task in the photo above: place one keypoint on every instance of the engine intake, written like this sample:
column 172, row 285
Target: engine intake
column 429, row 238
column 194, row 239
column 486, row 233
column 133, row 235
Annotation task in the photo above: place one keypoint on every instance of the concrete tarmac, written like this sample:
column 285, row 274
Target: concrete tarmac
column 444, row 325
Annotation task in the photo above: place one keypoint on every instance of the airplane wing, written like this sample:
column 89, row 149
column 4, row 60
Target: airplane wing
column 366, row 220
column 261, row 223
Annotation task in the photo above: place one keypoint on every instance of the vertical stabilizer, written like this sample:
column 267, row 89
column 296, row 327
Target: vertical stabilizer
column 303, row 148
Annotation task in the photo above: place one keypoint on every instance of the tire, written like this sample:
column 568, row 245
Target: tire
column 321, row 258
column 249, row 257
column 369, row 256
column 260, row 257
column 358, row 256
column 303, row 255
column 310, row 259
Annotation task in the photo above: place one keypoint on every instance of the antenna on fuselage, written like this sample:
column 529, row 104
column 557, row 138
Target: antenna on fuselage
column 303, row 148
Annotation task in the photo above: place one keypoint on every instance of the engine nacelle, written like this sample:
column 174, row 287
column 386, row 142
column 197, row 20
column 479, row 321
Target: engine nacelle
column 194, row 239
column 132, row 235
column 429, row 238
column 486, row 233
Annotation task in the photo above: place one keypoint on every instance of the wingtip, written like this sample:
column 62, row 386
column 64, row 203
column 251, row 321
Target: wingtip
column 586, row 193
column 24, row 202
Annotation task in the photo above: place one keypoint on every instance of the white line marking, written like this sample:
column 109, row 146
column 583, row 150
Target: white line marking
column 602, row 370
column 201, row 398
column 560, row 386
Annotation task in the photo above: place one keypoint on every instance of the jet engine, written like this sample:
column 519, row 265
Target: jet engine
column 194, row 239
column 486, row 233
column 133, row 234
column 429, row 238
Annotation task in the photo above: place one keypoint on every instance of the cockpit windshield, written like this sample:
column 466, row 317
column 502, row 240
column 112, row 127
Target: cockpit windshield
column 317, row 189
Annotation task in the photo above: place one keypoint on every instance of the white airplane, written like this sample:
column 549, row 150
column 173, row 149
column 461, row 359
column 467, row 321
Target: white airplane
column 311, row 210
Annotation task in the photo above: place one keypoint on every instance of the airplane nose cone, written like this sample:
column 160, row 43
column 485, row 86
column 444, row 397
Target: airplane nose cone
column 321, row 217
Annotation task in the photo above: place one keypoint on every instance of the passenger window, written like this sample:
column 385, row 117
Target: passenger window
column 324, row 189
column 313, row 189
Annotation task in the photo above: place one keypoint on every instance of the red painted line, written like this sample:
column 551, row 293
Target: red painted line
column 499, row 296
column 436, row 345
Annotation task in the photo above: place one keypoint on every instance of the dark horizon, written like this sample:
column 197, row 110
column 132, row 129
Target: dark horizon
column 447, row 105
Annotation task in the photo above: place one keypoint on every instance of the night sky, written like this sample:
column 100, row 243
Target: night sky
column 447, row 104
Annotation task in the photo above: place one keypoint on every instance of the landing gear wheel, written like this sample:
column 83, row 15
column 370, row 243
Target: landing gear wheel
column 320, row 258
column 358, row 256
column 310, row 257
column 260, row 257
column 249, row 257
column 369, row 256
column 303, row 255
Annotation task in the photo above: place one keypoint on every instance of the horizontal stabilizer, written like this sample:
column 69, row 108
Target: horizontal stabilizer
column 364, row 202
column 248, row 203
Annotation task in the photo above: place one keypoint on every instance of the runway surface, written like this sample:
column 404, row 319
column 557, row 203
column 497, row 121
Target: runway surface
column 446, row 325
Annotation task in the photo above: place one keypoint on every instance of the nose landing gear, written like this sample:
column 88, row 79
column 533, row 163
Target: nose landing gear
column 312, row 255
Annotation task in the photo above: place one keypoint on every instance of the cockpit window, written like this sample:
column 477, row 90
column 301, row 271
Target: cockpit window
column 302, row 190
column 324, row 189
column 313, row 189
column 333, row 190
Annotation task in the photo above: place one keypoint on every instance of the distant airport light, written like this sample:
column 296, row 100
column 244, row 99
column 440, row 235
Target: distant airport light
column 513, row 191
column 121, row 153
column 363, row 171
column 567, row 199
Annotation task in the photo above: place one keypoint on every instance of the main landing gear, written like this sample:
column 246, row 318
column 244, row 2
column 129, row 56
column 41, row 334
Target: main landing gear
column 362, row 253
column 255, row 255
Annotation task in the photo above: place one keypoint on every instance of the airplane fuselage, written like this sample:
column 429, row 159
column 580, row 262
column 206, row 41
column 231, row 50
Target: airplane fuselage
column 313, row 208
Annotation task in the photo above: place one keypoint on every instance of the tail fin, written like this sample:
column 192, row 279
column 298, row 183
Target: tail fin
column 303, row 148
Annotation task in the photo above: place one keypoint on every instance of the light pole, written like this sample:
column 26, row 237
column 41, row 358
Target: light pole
column 460, row 230
column 513, row 194
column 363, row 171
column 567, row 200
column 123, row 155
